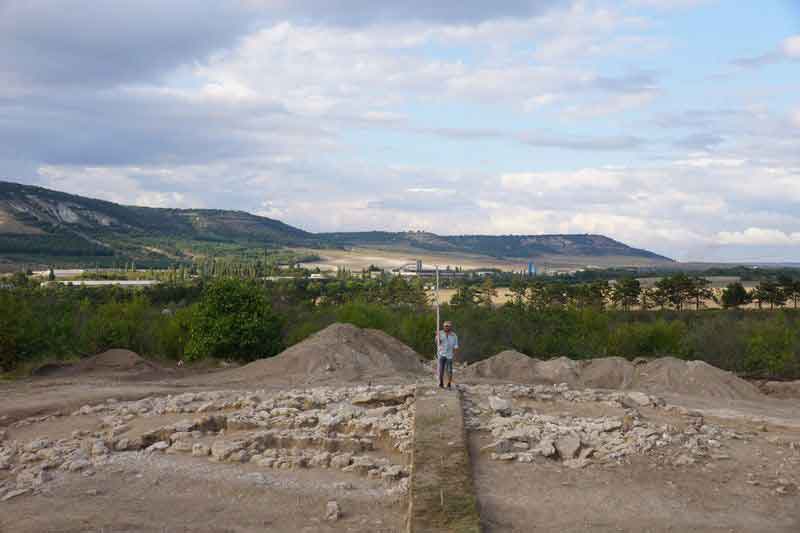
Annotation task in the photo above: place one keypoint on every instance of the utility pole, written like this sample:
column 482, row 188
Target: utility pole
column 436, row 293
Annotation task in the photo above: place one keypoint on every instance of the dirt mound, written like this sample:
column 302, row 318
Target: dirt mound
column 781, row 389
column 340, row 352
column 509, row 365
column 514, row 366
column 608, row 373
column 559, row 370
column 695, row 378
column 658, row 376
column 116, row 362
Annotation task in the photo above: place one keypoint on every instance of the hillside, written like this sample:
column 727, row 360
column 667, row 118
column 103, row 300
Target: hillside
column 499, row 246
column 42, row 225
column 35, row 221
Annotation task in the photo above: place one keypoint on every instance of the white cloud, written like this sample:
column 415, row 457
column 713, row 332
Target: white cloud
column 120, row 185
column 759, row 237
column 791, row 47
column 669, row 4
column 538, row 183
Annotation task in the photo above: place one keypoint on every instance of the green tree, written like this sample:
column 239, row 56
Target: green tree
column 234, row 318
column 626, row 292
column 791, row 288
column 465, row 296
column 735, row 295
column 699, row 290
column 487, row 293
column 772, row 347
column 537, row 295
column 518, row 291
column 673, row 290
column 769, row 292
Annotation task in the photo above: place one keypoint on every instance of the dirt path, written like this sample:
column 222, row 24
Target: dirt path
column 442, row 496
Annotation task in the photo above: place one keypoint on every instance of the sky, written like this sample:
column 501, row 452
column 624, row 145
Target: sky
column 672, row 125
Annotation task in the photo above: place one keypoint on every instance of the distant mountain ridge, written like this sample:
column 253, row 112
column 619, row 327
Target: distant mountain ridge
column 500, row 246
column 35, row 222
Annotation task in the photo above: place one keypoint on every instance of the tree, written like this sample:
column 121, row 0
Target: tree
column 626, row 292
column 234, row 319
column 674, row 290
column 556, row 295
column 699, row 290
column 790, row 288
column 537, row 295
column 735, row 295
column 770, row 292
column 51, row 276
column 518, row 292
column 486, row 294
column 465, row 296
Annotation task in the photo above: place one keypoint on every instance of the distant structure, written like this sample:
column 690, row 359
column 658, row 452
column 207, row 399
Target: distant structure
column 416, row 270
column 531, row 268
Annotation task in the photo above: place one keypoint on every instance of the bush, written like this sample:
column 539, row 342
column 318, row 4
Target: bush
column 772, row 348
column 418, row 331
column 121, row 325
column 174, row 333
column 234, row 319
column 366, row 315
column 658, row 338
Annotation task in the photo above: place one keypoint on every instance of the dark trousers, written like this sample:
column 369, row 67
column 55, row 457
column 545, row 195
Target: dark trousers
column 445, row 363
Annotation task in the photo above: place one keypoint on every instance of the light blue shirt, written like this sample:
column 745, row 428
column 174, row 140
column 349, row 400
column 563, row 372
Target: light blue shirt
column 447, row 344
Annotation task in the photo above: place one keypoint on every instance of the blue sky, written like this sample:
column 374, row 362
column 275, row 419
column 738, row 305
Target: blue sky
column 672, row 125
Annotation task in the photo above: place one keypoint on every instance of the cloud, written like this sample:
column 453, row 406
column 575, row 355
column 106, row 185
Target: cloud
column 537, row 182
column 759, row 237
column 539, row 139
column 627, row 142
column 359, row 12
column 105, row 42
column 352, row 115
column 668, row 4
column 787, row 50
column 699, row 141
column 120, row 185
column 791, row 47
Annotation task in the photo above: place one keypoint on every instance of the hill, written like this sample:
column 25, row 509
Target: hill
column 499, row 246
column 39, row 225
column 38, row 222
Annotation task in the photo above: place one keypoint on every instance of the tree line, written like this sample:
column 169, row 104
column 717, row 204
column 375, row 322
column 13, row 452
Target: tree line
column 243, row 319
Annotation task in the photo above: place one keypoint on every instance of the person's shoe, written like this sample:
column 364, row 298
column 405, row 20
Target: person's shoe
column 441, row 385
column 448, row 386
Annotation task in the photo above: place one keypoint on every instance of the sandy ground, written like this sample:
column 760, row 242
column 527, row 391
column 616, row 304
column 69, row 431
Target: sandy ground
column 187, row 494
column 751, row 486
column 738, row 494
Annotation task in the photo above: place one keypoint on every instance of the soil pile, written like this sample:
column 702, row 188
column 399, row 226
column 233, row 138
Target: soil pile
column 659, row 376
column 559, row 370
column 118, row 363
column 781, row 389
column 608, row 373
column 340, row 352
column 509, row 365
column 694, row 378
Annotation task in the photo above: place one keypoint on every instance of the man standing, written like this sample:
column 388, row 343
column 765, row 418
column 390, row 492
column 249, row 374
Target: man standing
column 447, row 347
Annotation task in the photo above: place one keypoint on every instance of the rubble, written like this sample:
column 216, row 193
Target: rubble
column 521, row 434
column 332, row 511
column 339, row 428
